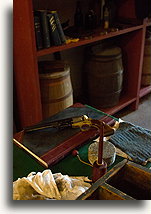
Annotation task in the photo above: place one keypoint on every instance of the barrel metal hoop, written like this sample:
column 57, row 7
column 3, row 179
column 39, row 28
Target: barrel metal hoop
column 49, row 101
column 57, row 79
column 109, row 74
column 106, row 58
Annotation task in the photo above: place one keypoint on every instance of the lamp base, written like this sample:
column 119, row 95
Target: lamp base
column 98, row 170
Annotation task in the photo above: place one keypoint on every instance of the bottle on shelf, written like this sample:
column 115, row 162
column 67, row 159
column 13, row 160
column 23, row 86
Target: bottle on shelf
column 97, row 7
column 106, row 15
column 106, row 18
column 78, row 16
column 101, row 10
column 109, row 14
column 90, row 20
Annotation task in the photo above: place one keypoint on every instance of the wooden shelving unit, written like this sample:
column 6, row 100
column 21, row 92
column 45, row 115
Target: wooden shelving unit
column 26, row 77
column 144, row 91
column 124, row 101
column 96, row 37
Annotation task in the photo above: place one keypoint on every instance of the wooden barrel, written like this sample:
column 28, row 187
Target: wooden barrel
column 56, row 87
column 105, row 76
column 146, row 71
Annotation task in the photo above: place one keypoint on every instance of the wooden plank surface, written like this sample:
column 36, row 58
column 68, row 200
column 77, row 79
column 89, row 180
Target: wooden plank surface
column 25, row 65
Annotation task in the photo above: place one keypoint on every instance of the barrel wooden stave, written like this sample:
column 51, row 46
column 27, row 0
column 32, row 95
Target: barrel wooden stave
column 56, row 89
column 105, row 77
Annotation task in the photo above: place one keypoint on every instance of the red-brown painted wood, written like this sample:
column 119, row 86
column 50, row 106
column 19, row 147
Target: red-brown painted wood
column 25, row 65
column 133, row 51
column 126, row 9
column 144, row 91
column 123, row 102
column 60, row 151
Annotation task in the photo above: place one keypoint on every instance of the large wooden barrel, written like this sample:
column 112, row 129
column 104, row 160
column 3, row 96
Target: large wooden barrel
column 146, row 71
column 105, row 76
column 56, row 87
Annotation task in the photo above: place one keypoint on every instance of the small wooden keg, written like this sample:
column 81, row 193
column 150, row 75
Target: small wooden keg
column 56, row 87
column 146, row 71
column 105, row 76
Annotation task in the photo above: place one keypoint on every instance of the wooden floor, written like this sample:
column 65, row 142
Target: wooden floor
column 140, row 117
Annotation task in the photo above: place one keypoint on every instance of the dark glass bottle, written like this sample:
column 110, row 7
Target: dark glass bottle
column 106, row 18
column 109, row 13
column 90, row 20
column 78, row 16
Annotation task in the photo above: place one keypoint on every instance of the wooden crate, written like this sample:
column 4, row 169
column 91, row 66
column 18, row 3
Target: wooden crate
column 125, row 181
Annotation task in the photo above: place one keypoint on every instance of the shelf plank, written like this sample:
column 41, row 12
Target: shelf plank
column 144, row 91
column 123, row 102
column 81, row 42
